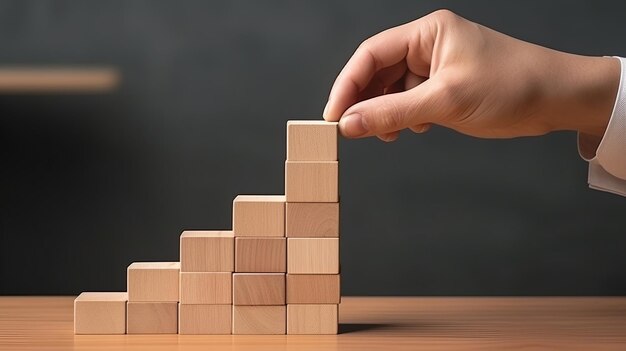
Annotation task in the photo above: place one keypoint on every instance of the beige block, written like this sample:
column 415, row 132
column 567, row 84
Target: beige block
column 207, row 251
column 206, row 288
column 262, row 255
column 259, row 215
column 152, row 318
column 313, row 255
column 311, row 141
column 258, row 289
column 312, row 319
column 312, row 181
column 100, row 313
column 204, row 319
column 153, row 281
column 259, row 319
column 313, row 289
column 312, row 219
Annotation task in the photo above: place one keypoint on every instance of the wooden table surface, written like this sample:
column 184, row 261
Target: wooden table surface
column 366, row 323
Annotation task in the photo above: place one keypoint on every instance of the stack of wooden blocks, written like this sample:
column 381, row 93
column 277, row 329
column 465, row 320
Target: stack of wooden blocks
column 276, row 272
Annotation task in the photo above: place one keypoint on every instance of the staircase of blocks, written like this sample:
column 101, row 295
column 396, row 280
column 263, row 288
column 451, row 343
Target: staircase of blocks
column 275, row 272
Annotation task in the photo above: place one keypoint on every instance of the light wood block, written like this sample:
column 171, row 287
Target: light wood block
column 311, row 141
column 312, row 219
column 312, row 319
column 204, row 319
column 259, row 215
column 152, row 318
column 262, row 255
column 100, row 313
column 207, row 251
column 313, row 289
column 312, row 181
column 313, row 255
column 206, row 288
column 259, row 319
column 153, row 281
column 260, row 289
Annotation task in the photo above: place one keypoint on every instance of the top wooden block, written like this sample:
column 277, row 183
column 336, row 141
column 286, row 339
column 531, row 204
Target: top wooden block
column 207, row 251
column 311, row 141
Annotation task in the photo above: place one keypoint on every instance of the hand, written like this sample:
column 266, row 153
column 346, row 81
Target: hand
column 443, row 69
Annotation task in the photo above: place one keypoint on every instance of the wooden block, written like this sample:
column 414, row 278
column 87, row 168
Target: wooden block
column 313, row 289
column 259, row 319
column 311, row 141
column 313, row 255
column 312, row 319
column 207, row 251
column 260, row 289
column 259, row 215
column 262, row 255
column 152, row 318
column 312, row 219
column 100, row 313
column 204, row 319
column 153, row 281
column 312, row 181
column 206, row 288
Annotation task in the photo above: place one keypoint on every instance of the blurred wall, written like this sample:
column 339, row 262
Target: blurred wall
column 90, row 183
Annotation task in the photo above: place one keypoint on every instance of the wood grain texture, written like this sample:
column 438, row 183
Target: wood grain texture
column 207, row 251
column 313, row 255
column 100, row 313
column 259, row 215
column 365, row 323
column 260, row 289
column 259, row 320
column 312, row 319
column 311, row 141
column 313, row 289
column 204, row 319
column 152, row 317
column 261, row 255
column 153, row 281
column 312, row 181
column 312, row 219
column 206, row 288
column 21, row 79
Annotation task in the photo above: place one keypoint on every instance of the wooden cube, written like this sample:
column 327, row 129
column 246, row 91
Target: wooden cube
column 206, row 288
column 259, row 319
column 153, row 281
column 313, row 255
column 313, row 289
column 259, row 215
column 152, row 318
column 259, row 289
column 312, row 181
column 311, row 141
column 100, row 313
column 204, row 319
column 312, row 219
column 262, row 255
column 207, row 251
column 312, row 319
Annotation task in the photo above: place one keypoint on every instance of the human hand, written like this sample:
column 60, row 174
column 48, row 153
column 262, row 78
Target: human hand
column 443, row 69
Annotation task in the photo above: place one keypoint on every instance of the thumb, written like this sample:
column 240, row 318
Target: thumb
column 389, row 113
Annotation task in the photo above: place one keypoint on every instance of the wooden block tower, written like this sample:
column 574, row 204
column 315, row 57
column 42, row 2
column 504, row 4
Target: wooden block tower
column 276, row 272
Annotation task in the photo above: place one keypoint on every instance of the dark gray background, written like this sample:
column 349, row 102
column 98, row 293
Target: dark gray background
column 91, row 183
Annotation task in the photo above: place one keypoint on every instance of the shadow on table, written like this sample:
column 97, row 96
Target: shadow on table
column 359, row 327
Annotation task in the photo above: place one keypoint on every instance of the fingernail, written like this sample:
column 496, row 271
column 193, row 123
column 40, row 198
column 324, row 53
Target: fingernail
column 325, row 113
column 352, row 125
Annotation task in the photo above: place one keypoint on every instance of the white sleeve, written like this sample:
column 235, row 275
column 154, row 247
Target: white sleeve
column 607, row 163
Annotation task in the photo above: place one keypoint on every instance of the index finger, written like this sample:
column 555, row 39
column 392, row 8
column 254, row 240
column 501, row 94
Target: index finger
column 383, row 50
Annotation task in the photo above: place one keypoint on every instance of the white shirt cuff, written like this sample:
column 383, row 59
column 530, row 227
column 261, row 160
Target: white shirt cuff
column 607, row 165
